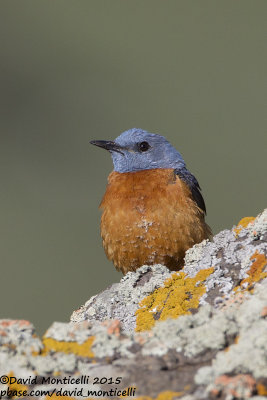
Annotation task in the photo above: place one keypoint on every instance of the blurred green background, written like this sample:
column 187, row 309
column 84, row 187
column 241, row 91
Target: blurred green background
column 73, row 71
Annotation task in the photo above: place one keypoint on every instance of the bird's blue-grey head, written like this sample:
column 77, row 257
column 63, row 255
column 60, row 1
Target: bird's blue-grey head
column 136, row 150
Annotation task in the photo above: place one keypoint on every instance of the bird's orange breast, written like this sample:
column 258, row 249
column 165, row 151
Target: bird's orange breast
column 149, row 217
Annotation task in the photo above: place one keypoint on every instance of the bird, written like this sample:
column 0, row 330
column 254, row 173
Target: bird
column 153, row 209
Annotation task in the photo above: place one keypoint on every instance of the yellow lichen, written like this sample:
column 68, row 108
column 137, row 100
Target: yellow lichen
column 243, row 223
column 83, row 349
column 255, row 273
column 261, row 389
column 236, row 339
column 168, row 395
column 127, row 391
column 16, row 387
column 179, row 294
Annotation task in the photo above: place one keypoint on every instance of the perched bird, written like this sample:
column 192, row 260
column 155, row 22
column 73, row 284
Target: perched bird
column 153, row 210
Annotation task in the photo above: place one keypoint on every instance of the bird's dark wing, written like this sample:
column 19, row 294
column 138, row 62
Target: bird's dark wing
column 193, row 184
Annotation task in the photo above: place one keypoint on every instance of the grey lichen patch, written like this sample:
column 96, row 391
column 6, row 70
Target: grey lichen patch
column 229, row 255
column 258, row 229
column 248, row 354
column 120, row 301
column 192, row 334
column 18, row 364
column 58, row 362
column 106, row 345
column 63, row 331
column 258, row 398
column 20, row 335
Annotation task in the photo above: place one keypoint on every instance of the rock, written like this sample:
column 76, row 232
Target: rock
column 199, row 333
column 214, row 271
column 121, row 300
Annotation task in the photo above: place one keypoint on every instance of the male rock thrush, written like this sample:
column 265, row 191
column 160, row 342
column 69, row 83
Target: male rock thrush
column 153, row 210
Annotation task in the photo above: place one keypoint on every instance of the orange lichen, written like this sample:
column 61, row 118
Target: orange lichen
column 228, row 385
column 255, row 273
column 83, row 349
column 22, row 323
column 179, row 294
column 113, row 327
column 243, row 223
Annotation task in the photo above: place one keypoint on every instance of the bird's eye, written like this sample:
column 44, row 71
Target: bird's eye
column 143, row 146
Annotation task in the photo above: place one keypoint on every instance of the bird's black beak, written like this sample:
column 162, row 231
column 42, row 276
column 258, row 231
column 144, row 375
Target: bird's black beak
column 108, row 145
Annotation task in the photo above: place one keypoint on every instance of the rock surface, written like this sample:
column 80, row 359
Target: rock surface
column 200, row 333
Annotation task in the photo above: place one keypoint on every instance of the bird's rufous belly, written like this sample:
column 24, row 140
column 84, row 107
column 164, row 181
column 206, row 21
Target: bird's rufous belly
column 149, row 217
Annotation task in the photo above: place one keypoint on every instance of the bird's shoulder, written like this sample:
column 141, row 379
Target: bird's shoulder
column 190, row 180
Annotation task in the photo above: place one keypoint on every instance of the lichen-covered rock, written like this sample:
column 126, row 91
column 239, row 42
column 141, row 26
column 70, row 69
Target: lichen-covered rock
column 200, row 333
column 233, row 262
column 121, row 300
